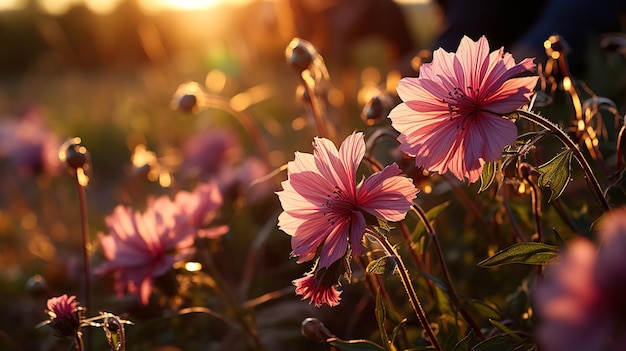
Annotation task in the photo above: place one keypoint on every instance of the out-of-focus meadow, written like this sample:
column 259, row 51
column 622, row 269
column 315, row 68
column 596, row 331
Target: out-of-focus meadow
column 109, row 76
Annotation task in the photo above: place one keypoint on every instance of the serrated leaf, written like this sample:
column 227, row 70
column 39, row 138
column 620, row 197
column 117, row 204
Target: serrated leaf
column 384, row 265
column 487, row 176
column 555, row 174
column 525, row 253
column 355, row 345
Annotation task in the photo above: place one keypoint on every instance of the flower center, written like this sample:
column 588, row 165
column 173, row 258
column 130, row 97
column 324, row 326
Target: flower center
column 338, row 204
column 460, row 103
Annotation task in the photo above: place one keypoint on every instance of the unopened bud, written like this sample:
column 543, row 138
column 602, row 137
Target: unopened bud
column 314, row 330
column 37, row 286
column 300, row 54
column 73, row 153
column 187, row 103
column 376, row 109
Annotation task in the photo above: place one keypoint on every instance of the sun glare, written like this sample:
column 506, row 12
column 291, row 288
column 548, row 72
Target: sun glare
column 183, row 5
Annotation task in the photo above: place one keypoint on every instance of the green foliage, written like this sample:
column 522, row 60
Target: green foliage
column 555, row 174
column 530, row 253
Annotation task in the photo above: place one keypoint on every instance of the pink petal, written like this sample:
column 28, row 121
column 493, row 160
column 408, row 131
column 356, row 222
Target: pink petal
column 386, row 195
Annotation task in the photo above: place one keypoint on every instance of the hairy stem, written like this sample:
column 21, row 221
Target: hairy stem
column 569, row 143
column 410, row 290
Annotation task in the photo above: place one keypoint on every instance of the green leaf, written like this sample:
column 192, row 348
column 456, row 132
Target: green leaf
column 506, row 330
column 384, row 265
column 526, row 253
column 380, row 318
column 555, row 174
column 467, row 342
column 484, row 310
column 559, row 240
column 496, row 343
column 487, row 176
column 355, row 345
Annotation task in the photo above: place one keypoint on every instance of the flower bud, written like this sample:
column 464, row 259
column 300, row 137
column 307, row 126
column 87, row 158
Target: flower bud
column 376, row 109
column 187, row 103
column 37, row 286
column 189, row 97
column 300, row 54
column 314, row 330
column 73, row 154
column 65, row 315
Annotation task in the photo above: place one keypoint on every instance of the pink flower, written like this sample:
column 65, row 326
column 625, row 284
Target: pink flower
column 202, row 207
column 64, row 315
column 580, row 302
column 30, row 145
column 451, row 117
column 141, row 246
column 325, row 210
column 320, row 294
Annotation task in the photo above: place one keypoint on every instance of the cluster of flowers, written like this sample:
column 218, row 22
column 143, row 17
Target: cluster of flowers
column 453, row 118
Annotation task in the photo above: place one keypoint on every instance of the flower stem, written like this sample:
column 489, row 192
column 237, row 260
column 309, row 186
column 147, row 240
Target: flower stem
column 569, row 143
column 444, row 268
column 86, row 248
column 78, row 342
column 221, row 103
column 410, row 290
column 309, row 84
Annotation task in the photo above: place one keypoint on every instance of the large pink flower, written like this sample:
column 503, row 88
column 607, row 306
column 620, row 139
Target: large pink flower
column 580, row 303
column 325, row 209
column 141, row 246
column 324, row 206
column 452, row 115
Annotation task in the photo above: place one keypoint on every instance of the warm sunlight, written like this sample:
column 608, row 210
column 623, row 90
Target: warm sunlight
column 190, row 4
column 185, row 5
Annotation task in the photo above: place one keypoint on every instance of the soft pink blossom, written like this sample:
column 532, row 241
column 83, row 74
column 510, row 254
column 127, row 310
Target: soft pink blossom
column 30, row 145
column 141, row 246
column 580, row 302
column 452, row 115
column 201, row 208
column 325, row 210
column 64, row 315
column 325, row 207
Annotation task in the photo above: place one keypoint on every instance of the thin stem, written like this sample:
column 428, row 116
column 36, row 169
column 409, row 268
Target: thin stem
column 509, row 212
column 309, row 85
column 86, row 249
column 410, row 290
column 565, row 139
column 78, row 340
column 444, row 268
column 231, row 301
column 219, row 102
